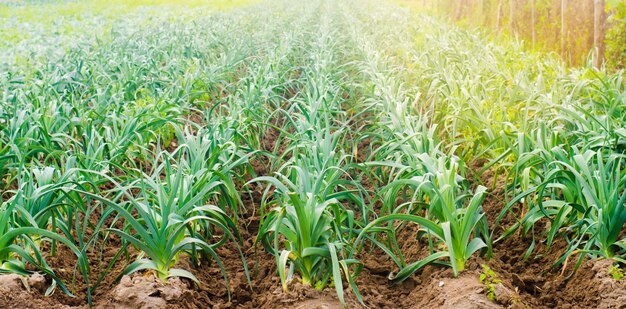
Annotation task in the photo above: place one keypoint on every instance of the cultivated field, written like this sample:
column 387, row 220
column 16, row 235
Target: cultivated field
column 300, row 154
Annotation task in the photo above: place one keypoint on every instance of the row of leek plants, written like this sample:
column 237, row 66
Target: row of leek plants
column 312, row 206
column 410, row 163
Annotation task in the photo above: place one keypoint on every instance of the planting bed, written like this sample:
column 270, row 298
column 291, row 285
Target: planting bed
column 279, row 154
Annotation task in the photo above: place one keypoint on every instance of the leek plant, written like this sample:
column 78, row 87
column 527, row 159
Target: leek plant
column 309, row 225
column 173, row 216
column 595, row 184
column 460, row 227
column 587, row 206
column 18, row 247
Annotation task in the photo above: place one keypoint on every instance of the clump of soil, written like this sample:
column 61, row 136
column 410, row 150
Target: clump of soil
column 591, row 286
column 11, row 282
column 147, row 292
column 24, row 292
column 439, row 289
column 299, row 296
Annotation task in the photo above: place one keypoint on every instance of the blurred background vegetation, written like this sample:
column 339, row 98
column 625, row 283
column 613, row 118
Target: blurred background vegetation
column 580, row 31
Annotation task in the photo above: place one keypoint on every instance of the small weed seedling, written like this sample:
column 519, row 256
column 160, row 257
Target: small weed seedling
column 489, row 279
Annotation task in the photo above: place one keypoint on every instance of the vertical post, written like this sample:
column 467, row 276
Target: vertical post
column 563, row 26
column 512, row 16
column 458, row 10
column 499, row 17
column 533, row 22
column 598, row 32
column 483, row 16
